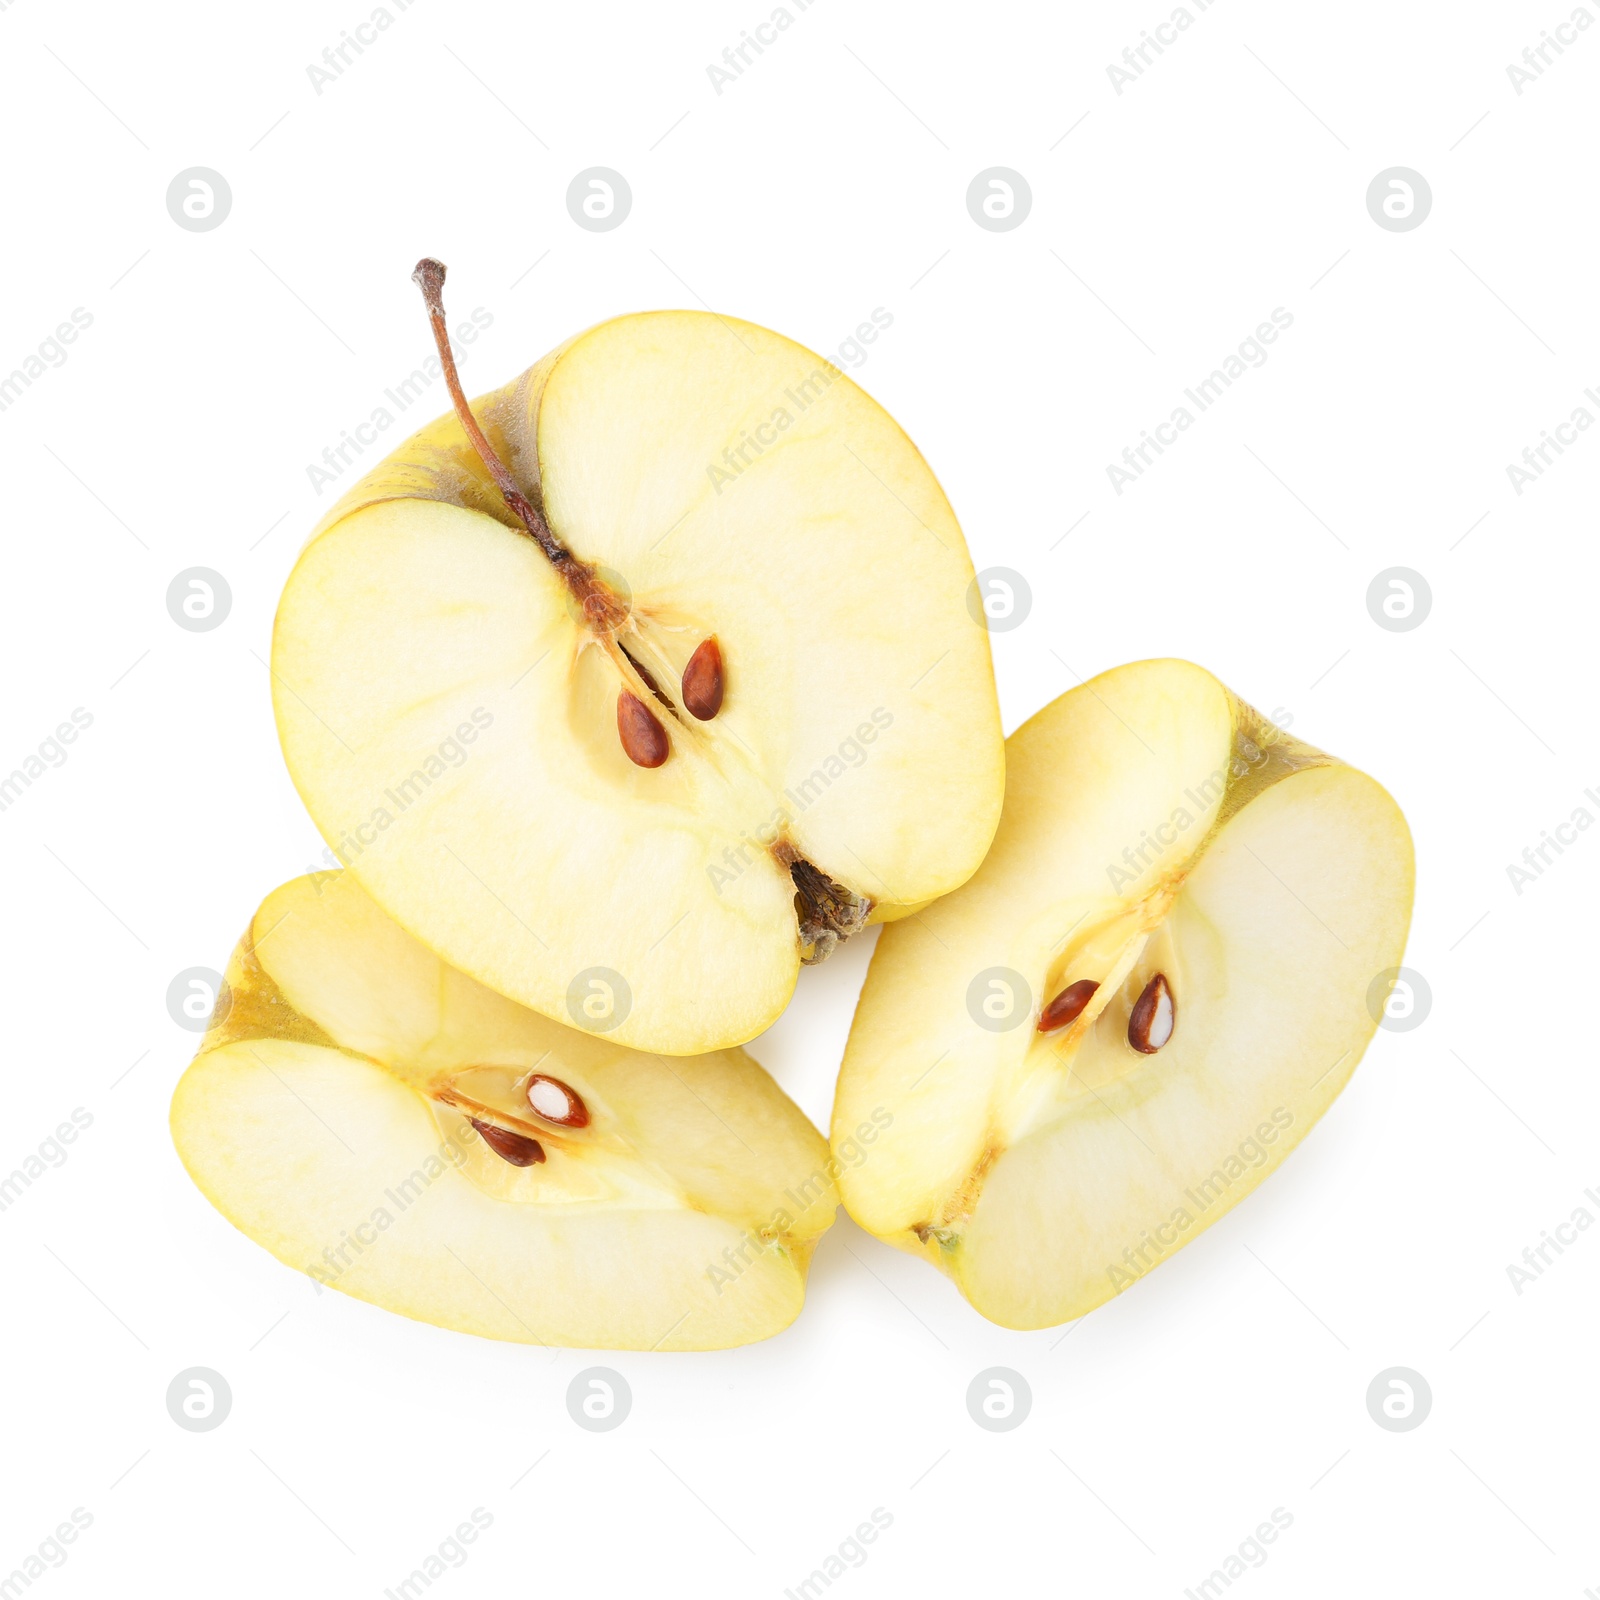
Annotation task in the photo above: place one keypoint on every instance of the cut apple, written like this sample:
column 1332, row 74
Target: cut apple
column 1156, row 984
column 665, row 678
column 401, row 1133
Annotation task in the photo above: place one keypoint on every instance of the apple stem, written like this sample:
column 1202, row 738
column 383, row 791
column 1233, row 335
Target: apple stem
column 429, row 277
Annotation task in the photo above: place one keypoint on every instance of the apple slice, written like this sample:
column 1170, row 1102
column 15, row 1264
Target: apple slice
column 399, row 1132
column 1158, row 981
column 662, row 680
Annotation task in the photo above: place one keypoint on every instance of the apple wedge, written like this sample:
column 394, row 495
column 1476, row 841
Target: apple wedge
column 644, row 678
column 1158, row 981
column 403, row 1134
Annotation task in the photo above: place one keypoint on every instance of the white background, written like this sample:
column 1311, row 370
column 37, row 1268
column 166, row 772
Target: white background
column 830, row 179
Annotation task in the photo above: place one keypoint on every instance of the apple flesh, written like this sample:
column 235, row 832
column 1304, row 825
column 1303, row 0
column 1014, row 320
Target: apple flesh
column 624, row 806
column 1158, row 981
column 405, row 1135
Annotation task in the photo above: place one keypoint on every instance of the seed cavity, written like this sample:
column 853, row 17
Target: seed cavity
column 1068, row 1005
column 644, row 740
column 557, row 1102
column 1154, row 1014
column 703, row 681
column 516, row 1148
column 649, row 679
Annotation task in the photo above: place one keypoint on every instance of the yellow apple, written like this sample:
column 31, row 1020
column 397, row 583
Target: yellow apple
column 689, row 620
column 403, row 1134
column 1161, row 977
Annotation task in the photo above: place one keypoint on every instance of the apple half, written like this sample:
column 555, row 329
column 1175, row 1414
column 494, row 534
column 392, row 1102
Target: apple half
column 661, row 682
column 401, row 1133
column 1158, row 981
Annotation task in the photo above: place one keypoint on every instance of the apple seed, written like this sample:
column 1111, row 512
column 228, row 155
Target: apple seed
column 1151, row 1021
column 643, row 737
column 1068, row 1005
column 702, row 681
column 516, row 1148
column 557, row 1102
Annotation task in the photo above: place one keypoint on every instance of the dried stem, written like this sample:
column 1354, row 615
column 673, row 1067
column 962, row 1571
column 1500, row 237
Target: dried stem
column 429, row 277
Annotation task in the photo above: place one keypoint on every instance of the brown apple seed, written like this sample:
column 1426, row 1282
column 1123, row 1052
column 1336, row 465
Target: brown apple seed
column 1153, row 1017
column 557, row 1102
column 1068, row 1005
column 643, row 738
column 703, row 681
column 516, row 1148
